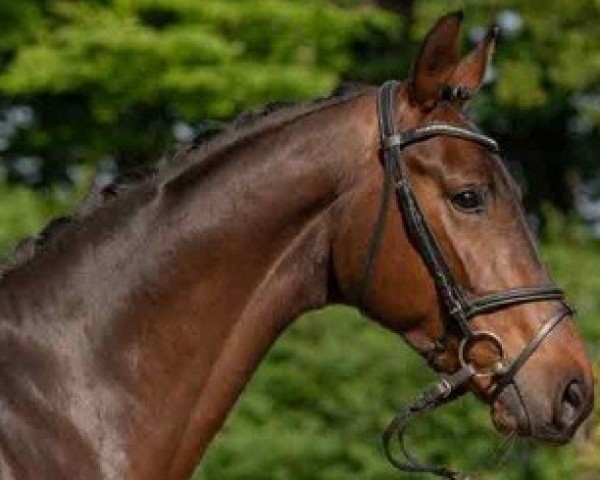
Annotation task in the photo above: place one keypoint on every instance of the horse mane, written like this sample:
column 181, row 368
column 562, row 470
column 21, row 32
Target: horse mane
column 186, row 161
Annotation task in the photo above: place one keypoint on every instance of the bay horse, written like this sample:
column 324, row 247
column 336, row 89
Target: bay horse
column 128, row 332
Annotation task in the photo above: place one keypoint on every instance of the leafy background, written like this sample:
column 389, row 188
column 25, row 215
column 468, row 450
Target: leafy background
column 92, row 88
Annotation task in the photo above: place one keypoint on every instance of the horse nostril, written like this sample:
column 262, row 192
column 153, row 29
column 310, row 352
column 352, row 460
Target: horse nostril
column 573, row 394
column 572, row 405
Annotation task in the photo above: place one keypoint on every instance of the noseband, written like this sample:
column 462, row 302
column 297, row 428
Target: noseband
column 460, row 305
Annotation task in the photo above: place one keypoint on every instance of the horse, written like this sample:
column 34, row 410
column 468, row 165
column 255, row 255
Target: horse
column 129, row 331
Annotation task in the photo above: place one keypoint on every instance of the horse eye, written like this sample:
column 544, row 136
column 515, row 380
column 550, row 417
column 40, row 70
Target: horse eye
column 470, row 201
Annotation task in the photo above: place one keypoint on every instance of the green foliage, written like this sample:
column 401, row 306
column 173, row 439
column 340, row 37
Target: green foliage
column 24, row 212
column 100, row 73
column 555, row 47
column 214, row 61
column 17, row 23
column 574, row 261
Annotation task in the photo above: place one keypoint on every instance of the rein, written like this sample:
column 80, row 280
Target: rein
column 460, row 305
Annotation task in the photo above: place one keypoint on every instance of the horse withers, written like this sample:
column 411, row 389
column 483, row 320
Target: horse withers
column 127, row 334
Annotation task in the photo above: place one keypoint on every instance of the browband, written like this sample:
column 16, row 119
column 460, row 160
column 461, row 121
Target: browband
column 415, row 135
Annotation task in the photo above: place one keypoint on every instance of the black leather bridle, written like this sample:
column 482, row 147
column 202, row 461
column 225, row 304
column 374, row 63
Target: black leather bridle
column 460, row 305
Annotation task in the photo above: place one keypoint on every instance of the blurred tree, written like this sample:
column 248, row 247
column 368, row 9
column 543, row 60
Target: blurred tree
column 120, row 80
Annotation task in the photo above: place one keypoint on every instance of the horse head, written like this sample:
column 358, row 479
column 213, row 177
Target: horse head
column 449, row 261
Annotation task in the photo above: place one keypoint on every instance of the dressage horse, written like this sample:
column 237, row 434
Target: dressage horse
column 129, row 331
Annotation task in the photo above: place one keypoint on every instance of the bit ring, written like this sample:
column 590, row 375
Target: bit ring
column 477, row 337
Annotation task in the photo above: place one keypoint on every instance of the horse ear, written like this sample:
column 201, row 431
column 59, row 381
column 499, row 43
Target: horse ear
column 470, row 72
column 436, row 61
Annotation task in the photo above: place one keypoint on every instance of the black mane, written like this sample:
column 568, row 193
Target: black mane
column 209, row 132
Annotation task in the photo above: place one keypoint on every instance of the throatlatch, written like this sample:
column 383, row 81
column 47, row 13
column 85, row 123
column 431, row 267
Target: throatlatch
column 460, row 305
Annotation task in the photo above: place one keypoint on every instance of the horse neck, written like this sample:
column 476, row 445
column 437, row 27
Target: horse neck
column 171, row 305
column 255, row 256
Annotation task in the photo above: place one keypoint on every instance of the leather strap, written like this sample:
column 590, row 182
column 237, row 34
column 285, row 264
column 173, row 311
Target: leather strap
column 513, row 296
column 409, row 137
column 446, row 390
column 508, row 374
column 461, row 306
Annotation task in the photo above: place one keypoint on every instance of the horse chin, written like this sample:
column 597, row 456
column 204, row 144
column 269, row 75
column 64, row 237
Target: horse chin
column 510, row 418
column 506, row 421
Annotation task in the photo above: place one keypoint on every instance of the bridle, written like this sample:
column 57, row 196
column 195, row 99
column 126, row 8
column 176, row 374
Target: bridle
column 460, row 305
